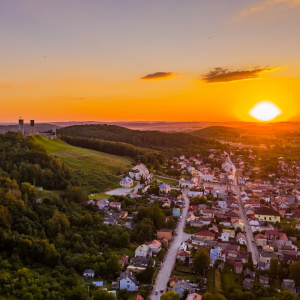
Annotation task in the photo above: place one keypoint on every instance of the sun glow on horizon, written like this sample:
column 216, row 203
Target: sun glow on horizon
column 265, row 111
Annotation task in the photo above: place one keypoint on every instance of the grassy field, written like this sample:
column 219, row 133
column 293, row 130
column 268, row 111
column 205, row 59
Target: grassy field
column 231, row 279
column 99, row 196
column 184, row 272
column 210, row 287
column 96, row 171
column 167, row 181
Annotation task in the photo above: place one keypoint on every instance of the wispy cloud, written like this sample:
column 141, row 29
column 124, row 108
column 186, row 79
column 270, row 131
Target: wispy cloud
column 159, row 75
column 225, row 75
column 261, row 6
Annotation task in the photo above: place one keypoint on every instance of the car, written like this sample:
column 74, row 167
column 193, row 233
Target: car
column 161, row 291
column 156, row 292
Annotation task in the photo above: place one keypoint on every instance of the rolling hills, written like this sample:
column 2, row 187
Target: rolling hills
column 95, row 170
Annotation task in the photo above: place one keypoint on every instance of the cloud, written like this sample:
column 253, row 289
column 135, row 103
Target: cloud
column 269, row 4
column 159, row 75
column 225, row 75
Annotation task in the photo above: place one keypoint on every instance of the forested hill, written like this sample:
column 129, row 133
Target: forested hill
column 145, row 139
column 26, row 161
column 216, row 132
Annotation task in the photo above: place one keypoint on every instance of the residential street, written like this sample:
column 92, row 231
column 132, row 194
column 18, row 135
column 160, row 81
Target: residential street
column 251, row 246
column 170, row 258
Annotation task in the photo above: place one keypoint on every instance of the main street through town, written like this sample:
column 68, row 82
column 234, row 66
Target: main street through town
column 248, row 232
column 170, row 258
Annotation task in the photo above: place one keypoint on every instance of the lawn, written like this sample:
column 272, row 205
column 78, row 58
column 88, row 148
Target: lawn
column 231, row 279
column 99, row 196
column 184, row 272
column 167, row 181
column 96, row 171
column 210, row 287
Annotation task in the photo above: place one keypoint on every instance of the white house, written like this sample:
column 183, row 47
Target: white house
column 126, row 182
column 183, row 246
column 164, row 188
column 143, row 251
column 138, row 172
column 89, row 273
column 188, row 183
column 241, row 239
column 227, row 234
column 128, row 282
column 155, row 246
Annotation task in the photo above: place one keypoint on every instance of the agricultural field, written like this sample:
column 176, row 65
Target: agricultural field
column 167, row 181
column 96, row 171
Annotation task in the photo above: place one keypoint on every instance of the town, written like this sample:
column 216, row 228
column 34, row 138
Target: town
column 230, row 227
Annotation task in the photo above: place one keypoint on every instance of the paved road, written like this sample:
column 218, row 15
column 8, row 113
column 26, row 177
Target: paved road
column 170, row 258
column 251, row 246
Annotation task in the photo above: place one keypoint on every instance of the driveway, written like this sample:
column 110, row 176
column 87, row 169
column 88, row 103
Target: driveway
column 170, row 258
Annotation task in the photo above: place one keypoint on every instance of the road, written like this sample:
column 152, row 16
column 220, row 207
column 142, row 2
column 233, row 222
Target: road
column 251, row 246
column 170, row 258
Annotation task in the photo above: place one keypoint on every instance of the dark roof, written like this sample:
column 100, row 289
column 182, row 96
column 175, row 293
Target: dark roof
column 267, row 211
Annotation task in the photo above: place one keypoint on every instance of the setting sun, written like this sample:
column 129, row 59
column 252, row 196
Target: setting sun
column 265, row 111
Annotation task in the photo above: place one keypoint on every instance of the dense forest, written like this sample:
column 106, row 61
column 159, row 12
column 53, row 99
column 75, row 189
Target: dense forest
column 145, row 139
column 25, row 161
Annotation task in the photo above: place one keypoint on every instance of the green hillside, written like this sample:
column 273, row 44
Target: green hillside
column 94, row 170
column 216, row 132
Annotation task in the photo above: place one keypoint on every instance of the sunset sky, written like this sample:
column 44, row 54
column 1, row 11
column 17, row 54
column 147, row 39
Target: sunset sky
column 173, row 60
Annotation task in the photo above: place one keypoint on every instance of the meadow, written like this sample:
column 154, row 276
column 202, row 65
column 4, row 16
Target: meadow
column 96, row 171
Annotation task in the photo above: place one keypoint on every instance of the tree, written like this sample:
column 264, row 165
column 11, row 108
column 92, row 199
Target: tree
column 170, row 295
column 215, row 296
column 201, row 260
column 144, row 230
column 294, row 269
column 103, row 295
column 274, row 267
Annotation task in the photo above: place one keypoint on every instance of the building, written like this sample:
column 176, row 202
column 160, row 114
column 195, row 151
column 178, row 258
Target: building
column 155, row 246
column 126, row 182
column 241, row 239
column 260, row 240
column 164, row 233
column 164, row 188
column 266, row 214
column 143, row 251
column 193, row 296
column 128, row 282
column 89, row 273
column 181, row 286
column 138, row 172
column 205, row 234
column 176, row 212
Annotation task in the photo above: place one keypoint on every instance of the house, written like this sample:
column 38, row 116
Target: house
column 265, row 257
column 183, row 255
column 176, row 212
column 288, row 256
column 227, row 234
column 241, row 239
column 164, row 188
column 173, row 280
column 249, row 277
column 124, row 260
column 215, row 254
column 89, row 273
column 181, row 286
column 289, row 284
column 164, row 233
column 142, row 262
column 110, row 221
column 205, row 234
column 260, row 240
column 143, row 251
column 116, row 205
column 272, row 234
column 155, row 246
column 98, row 284
column 188, row 183
column 138, row 297
column 193, row 296
column 126, row 182
column 238, row 267
column 264, row 280
column 128, row 282
column 238, row 224
column 267, row 214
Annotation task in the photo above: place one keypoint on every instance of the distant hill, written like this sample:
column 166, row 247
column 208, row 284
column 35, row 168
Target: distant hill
column 217, row 132
column 145, row 139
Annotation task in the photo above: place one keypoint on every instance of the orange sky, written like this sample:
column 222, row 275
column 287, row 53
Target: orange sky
column 201, row 62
